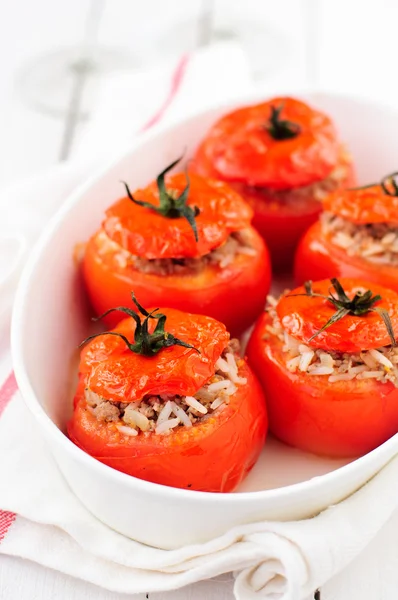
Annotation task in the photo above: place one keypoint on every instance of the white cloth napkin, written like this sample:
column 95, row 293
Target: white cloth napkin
column 40, row 518
column 271, row 560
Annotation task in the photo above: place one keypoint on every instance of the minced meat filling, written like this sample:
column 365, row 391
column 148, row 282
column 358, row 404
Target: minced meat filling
column 299, row 196
column 161, row 414
column 380, row 364
column 238, row 242
column 377, row 243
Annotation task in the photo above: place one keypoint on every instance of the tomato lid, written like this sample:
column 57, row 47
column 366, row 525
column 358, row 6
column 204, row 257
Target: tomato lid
column 280, row 144
column 304, row 315
column 144, row 232
column 116, row 373
column 377, row 203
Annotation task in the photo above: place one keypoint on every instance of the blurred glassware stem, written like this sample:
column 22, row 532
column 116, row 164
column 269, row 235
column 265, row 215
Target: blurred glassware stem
column 266, row 48
column 56, row 83
column 205, row 23
column 62, row 83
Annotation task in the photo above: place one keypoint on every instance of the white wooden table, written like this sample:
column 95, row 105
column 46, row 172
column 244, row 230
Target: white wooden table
column 352, row 48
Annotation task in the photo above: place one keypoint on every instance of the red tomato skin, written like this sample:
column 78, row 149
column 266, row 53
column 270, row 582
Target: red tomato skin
column 303, row 316
column 115, row 373
column 280, row 227
column 143, row 232
column 213, row 456
column 340, row 419
column 363, row 205
column 240, row 148
column 280, row 224
column 234, row 295
column 317, row 258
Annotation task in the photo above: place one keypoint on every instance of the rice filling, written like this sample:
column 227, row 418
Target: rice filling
column 380, row 364
column 298, row 197
column 238, row 242
column 375, row 242
column 162, row 413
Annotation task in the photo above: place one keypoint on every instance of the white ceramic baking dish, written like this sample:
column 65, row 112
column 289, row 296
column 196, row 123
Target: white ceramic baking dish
column 50, row 320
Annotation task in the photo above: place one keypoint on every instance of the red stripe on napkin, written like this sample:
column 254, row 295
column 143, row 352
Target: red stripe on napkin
column 7, row 391
column 6, row 520
column 9, row 387
column 177, row 78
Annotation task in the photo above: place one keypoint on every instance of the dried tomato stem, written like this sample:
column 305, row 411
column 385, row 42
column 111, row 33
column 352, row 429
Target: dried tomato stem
column 388, row 184
column 281, row 129
column 145, row 343
column 170, row 206
column 361, row 304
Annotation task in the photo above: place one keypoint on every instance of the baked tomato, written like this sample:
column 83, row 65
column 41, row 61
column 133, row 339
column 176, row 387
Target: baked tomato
column 326, row 357
column 185, row 243
column 282, row 156
column 357, row 236
column 165, row 397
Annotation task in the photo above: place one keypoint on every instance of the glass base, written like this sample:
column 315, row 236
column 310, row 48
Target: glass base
column 48, row 82
column 266, row 48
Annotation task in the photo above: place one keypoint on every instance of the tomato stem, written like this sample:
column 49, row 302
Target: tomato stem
column 388, row 184
column 145, row 343
column 361, row 304
column 170, row 206
column 281, row 129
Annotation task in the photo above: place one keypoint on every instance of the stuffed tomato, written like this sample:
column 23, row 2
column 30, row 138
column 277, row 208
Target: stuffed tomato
column 282, row 156
column 327, row 358
column 165, row 397
column 357, row 236
column 186, row 243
